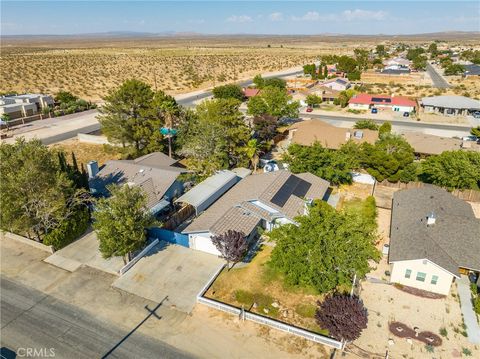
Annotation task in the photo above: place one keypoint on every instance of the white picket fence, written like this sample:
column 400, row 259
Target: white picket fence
column 264, row 320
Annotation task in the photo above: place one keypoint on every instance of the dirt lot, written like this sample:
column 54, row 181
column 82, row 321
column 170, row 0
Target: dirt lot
column 85, row 152
column 386, row 303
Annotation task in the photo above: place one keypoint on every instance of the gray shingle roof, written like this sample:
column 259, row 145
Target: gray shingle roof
column 154, row 177
column 452, row 242
column 235, row 211
column 456, row 102
column 472, row 70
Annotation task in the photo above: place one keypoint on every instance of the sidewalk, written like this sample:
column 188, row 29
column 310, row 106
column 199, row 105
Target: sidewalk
column 469, row 316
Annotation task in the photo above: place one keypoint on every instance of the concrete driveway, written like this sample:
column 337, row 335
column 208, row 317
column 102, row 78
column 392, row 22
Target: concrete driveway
column 84, row 251
column 170, row 270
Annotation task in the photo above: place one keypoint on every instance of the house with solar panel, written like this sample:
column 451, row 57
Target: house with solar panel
column 265, row 200
column 365, row 101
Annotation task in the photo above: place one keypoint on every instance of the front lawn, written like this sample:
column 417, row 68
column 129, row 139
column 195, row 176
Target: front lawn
column 261, row 290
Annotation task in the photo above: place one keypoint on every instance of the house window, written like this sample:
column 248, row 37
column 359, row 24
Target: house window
column 408, row 273
column 434, row 279
column 421, row 276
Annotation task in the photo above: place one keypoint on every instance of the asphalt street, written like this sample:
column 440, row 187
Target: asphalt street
column 437, row 79
column 32, row 319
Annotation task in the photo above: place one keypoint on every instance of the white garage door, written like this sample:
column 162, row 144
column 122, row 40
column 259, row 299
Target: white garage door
column 202, row 242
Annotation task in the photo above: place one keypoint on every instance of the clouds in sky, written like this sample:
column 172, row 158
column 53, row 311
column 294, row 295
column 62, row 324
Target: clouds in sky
column 239, row 18
column 276, row 16
column 347, row 15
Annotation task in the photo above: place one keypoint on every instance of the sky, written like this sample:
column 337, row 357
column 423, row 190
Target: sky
column 239, row 17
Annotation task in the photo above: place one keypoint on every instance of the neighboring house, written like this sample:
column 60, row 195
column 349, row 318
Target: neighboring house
column 305, row 133
column 17, row 106
column 326, row 93
column 425, row 145
column 365, row 101
column 337, row 84
column 471, row 70
column 250, row 92
column 450, row 105
column 260, row 200
column 397, row 63
column 434, row 238
column 208, row 191
column 156, row 173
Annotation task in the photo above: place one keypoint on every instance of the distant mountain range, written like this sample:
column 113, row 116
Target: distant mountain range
column 134, row 34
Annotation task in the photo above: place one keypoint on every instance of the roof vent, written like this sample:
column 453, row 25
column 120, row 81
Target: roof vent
column 431, row 218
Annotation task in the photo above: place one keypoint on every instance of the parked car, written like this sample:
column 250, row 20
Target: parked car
column 374, row 110
column 476, row 114
column 406, row 114
column 309, row 109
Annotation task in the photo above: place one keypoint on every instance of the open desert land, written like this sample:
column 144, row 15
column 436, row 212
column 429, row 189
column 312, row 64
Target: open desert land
column 90, row 66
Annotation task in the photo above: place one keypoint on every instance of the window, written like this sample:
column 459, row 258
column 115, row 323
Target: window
column 434, row 279
column 408, row 273
column 421, row 276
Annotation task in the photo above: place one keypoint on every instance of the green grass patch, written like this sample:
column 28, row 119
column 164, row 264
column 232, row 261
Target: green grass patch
column 263, row 301
column 306, row 310
column 316, row 329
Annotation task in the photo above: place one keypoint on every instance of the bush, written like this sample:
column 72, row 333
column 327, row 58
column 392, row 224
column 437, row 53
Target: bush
column 467, row 352
column 366, row 124
column 244, row 297
column 69, row 230
column 476, row 305
column 443, row 332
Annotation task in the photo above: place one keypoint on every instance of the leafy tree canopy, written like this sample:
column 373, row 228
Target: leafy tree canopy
column 389, row 155
column 273, row 101
column 121, row 221
column 313, row 100
column 386, row 127
column 232, row 245
column 346, row 64
column 325, row 249
column 475, row 131
column 454, row 69
column 366, row 124
column 36, row 195
column 334, row 166
column 228, row 91
column 65, row 97
column 261, row 83
column 215, row 137
column 453, row 169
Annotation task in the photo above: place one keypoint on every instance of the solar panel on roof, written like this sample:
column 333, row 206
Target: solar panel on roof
column 381, row 99
column 292, row 186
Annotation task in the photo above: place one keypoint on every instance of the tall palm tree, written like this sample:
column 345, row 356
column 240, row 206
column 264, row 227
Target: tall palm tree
column 253, row 149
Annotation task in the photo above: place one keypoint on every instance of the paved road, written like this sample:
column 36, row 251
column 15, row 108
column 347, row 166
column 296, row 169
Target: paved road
column 437, row 79
column 69, row 134
column 190, row 100
column 32, row 319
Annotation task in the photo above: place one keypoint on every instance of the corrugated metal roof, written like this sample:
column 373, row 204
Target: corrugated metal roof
column 204, row 190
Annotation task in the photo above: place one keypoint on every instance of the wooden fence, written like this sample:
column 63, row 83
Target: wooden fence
column 179, row 217
column 467, row 195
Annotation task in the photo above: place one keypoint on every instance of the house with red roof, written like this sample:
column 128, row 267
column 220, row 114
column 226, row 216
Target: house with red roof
column 250, row 92
column 365, row 101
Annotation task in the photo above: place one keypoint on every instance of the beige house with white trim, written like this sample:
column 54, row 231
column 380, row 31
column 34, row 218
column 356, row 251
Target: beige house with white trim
column 434, row 238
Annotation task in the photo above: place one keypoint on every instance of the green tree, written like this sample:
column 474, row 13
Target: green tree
column 124, row 117
column 253, row 150
column 454, row 69
column 65, row 97
column 343, row 97
column 275, row 82
column 387, row 157
column 366, row 124
column 414, row 53
column 121, row 221
column 36, row 195
column 432, row 49
column 228, row 91
column 361, row 55
column 354, row 76
column 258, row 81
column 273, row 101
column 475, row 131
column 313, row 100
column 325, row 248
column 419, row 63
column 381, row 51
column 452, row 169
column 215, row 137
column 346, row 64
column 310, row 69
column 325, row 72
column 386, row 127
column 334, row 166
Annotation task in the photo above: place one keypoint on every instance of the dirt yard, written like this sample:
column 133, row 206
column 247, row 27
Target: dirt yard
column 385, row 304
column 256, row 283
column 85, row 152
